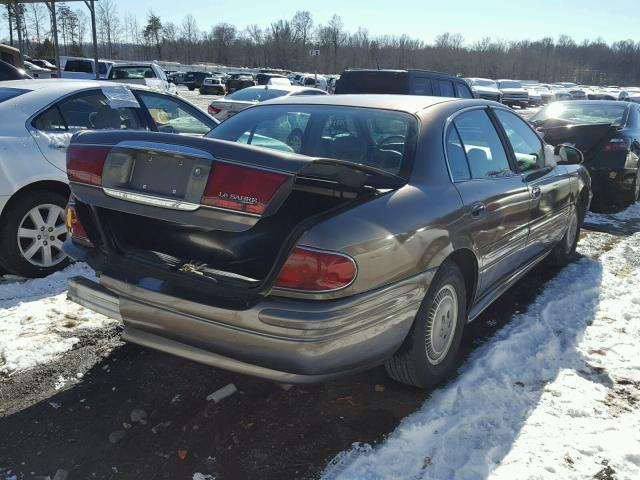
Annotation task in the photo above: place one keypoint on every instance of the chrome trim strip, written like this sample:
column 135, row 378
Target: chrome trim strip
column 165, row 148
column 151, row 200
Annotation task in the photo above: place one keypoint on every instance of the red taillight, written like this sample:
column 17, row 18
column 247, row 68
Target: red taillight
column 54, row 75
column 214, row 110
column 314, row 270
column 241, row 188
column 74, row 226
column 615, row 145
column 85, row 164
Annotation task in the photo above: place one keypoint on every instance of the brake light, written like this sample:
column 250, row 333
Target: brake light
column 241, row 188
column 615, row 145
column 74, row 226
column 214, row 110
column 85, row 164
column 315, row 270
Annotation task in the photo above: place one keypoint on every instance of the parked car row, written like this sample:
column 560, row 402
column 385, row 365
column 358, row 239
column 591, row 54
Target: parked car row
column 330, row 233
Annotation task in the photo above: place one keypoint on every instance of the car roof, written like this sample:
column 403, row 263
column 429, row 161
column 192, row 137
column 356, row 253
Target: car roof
column 405, row 103
column 288, row 88
column 62, row 86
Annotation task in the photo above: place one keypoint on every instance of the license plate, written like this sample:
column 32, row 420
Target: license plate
column 161, row 175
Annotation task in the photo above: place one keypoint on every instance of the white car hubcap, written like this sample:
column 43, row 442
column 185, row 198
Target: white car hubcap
column 41, row 234
column 441, row 324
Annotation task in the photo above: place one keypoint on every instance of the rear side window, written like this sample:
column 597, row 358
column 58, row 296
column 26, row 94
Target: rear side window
column 456, row 157
column 50, row 121
column 446, row 88
column 463, row 91
column 422, row 86
column 131, row 73
column 485, row 153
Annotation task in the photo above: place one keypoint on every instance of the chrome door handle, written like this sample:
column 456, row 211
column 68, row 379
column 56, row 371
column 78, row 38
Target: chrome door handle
column 58, row 146
column 536, row 192
column 478, row 209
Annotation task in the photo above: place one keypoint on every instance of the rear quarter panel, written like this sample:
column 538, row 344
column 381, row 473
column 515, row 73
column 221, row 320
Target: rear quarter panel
column 404, row 232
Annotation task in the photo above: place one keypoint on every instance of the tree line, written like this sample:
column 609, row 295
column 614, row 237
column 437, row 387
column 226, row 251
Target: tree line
column 286, row 43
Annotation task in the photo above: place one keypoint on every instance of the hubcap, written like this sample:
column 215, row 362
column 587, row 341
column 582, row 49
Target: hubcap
column 441, row 324
column 572, row 231
column 41, row 234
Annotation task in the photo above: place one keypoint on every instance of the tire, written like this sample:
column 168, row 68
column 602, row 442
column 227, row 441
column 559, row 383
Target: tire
column 629, row 198
column 191, row 89
column 423, row 361
column 565, row 251
column 23, row 215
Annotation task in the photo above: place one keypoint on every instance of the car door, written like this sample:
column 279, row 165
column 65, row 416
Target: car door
column 169, row 114
column 549, row 185
column 89, row 110
column 496, row 200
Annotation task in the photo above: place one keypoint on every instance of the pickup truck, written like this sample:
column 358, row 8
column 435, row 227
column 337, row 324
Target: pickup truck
column 84, row 68
column 148, row 74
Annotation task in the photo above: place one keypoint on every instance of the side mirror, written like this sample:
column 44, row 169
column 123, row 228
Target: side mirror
column 568, row 154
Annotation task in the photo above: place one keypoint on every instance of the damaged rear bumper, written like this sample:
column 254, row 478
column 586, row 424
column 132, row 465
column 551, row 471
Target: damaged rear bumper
column 285, row 340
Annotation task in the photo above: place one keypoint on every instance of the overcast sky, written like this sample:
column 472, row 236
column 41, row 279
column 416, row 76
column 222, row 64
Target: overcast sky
column 474, row 19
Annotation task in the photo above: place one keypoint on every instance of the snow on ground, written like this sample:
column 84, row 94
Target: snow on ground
column 554, row 394
column 37, row 323
column 629, row 218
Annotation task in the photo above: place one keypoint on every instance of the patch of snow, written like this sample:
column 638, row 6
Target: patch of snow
column 629, row 214
column 575, row 351
column 38, row 323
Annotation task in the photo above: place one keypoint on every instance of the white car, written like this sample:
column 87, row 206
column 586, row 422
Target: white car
column 39, row 118
column 231, row 104
column 148, row 74
column 35, row 71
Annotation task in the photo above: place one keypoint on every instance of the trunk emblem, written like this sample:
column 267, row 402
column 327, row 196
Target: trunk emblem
column 197, row 172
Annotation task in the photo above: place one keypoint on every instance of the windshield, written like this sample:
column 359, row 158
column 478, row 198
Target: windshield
column 259, row 94
column 9, row 93
column 595, row 112
column 382, row 139
column 484, row 83
column 509, row 84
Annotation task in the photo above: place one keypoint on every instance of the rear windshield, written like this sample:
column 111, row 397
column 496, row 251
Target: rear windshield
column 256, row 94
column 82, row 66
column 595, row 112
column 509, row 84
column 131, row 73
column 9, row 93
column 484, row 83
column 374, row 82
column 382, row 139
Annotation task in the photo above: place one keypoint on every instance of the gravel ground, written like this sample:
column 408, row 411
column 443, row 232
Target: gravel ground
column 85, row 427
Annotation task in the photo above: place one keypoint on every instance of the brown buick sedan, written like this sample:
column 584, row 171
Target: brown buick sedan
column 374, row 237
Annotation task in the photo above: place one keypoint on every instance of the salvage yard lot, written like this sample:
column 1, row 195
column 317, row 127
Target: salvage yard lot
column 560, row 347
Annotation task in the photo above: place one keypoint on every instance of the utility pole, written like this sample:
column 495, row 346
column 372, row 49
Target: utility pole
column 92, row 8
column 315, row 54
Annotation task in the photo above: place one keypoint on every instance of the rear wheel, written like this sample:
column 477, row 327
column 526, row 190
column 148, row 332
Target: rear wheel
column 32, row 234
column 428, row 355
column 631, row 197
column 565, row 251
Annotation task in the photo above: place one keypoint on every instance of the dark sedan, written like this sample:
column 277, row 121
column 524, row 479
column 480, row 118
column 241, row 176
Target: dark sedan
column 608, row 133
column 9, row 72
column 401, row 219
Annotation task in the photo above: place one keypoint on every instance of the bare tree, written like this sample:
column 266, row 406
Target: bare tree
column 37, row 18
column 189, row 34
column 109, row 26
column 222, row 36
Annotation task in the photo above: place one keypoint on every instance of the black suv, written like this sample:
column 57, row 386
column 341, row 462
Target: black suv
column 403, row 82
column 194, row 80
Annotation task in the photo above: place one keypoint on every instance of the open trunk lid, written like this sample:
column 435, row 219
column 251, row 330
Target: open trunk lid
column 585, row 137
column 212, row 207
